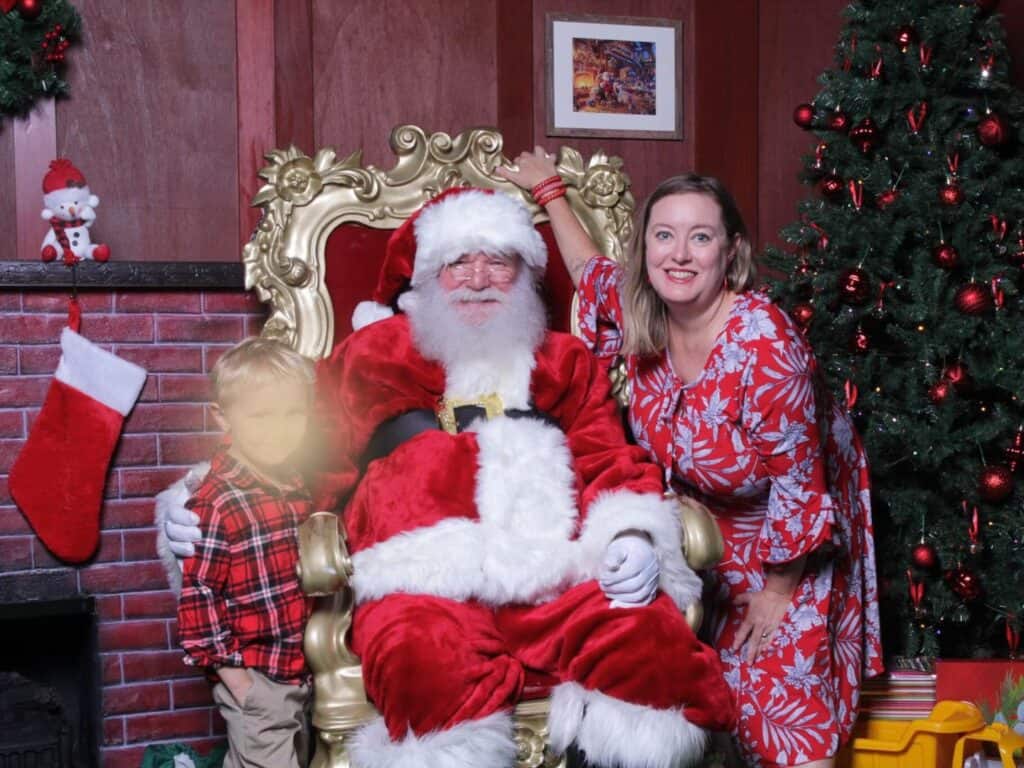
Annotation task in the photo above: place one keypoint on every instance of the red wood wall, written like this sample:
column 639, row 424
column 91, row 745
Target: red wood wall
column 171, row 111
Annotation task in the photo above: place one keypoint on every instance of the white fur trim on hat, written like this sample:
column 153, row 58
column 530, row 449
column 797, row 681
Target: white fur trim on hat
column 369, row 312
column 487, row 741
column 615, row 732
column 475, row 221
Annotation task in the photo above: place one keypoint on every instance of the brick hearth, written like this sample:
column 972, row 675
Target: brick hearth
column 148, row 695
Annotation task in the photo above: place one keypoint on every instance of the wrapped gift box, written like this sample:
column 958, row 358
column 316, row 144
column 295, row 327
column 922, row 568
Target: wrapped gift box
column 974, row 680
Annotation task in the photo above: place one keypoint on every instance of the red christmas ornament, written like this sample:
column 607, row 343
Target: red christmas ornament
column 924, row 555
column 924, row 53
column 916, row 116
column 856, row 192
column 887, row 198
column 839, row 121
column 1012, row 635
column 831, row 186
column 951, row 194
column 803, row 314
column 993, row 130
column 972, row 299
column 945, row 255
column 30, row 9
column 939, row 392
column 864, row 135
column 854, row 286
column 995, row 483
column 860, row 344
column 803, row 115
column 906, row 36
column 819, row 155
column 1017, row 257
column 1015, row 453
column 986, row 6
column 875, row 73
column 957, row 375
column 964, row 583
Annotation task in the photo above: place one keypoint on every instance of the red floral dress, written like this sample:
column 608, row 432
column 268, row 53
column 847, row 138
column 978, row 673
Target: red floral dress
column 757, row 439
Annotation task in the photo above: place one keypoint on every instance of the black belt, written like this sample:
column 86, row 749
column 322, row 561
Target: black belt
column 393, row 432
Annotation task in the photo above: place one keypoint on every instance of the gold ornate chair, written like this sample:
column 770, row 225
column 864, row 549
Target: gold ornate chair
column 315, row 254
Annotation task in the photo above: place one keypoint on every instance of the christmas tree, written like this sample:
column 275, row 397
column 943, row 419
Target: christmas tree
column 905, row 270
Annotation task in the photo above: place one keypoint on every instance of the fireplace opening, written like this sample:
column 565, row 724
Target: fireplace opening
column 49, row 684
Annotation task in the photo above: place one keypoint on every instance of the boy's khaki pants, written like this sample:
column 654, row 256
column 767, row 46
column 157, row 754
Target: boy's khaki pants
column 269, row 728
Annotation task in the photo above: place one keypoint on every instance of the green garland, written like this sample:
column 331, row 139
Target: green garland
column 26, row 71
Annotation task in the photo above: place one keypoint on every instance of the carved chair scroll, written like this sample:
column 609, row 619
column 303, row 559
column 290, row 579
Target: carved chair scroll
column 316, row 253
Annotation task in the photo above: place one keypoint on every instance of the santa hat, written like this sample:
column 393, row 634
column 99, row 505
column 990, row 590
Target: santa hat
column 63, row 183
column 459, row 221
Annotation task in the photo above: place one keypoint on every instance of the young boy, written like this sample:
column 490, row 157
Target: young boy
column 242, row 613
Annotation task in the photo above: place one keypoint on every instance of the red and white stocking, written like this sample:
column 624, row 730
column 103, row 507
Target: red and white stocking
column 58, row 478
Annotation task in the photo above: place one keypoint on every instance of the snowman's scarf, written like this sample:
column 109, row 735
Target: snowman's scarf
column 59, row 225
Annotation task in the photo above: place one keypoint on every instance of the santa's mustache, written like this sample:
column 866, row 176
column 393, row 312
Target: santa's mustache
column 468, row 295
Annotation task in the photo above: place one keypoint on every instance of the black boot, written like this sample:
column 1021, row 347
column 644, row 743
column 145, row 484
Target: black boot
column 576, row 758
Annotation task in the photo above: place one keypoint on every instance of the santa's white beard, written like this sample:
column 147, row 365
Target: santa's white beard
column 494, row 354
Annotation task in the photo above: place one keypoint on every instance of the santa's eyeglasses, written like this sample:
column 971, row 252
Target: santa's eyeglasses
column 497, row 269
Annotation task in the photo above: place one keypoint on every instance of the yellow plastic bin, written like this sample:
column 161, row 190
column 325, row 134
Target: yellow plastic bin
column 924, row 743
column 1004, row 739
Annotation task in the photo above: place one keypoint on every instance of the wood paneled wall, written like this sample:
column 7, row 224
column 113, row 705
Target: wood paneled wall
column 380, row 63
column 173, row 105
column 795, row 44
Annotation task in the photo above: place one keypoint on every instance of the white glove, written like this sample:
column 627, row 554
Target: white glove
column 630, row 571
column 181, row 525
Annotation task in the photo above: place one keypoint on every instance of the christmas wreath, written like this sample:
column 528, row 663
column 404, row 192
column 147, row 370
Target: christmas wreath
column 34, row 34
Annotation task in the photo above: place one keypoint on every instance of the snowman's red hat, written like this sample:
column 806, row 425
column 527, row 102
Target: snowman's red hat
column 63, row 183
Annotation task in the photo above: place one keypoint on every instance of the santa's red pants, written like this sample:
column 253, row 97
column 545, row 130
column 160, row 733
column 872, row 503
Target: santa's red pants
column 430, row 663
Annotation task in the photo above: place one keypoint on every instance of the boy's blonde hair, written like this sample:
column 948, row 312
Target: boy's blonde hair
column 256, row 361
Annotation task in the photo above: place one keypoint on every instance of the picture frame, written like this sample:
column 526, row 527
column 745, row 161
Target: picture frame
column 614, row 76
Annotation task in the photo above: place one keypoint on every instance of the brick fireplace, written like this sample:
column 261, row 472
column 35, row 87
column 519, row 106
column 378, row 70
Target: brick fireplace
column 144, row 693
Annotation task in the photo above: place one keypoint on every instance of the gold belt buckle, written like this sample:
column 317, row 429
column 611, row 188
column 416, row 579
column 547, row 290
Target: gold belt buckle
column 492, row 405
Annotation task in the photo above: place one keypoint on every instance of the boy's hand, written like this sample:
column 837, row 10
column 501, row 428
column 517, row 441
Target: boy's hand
column 238, row 680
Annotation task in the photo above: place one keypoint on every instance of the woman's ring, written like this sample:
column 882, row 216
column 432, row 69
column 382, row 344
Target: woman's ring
column 764, row 635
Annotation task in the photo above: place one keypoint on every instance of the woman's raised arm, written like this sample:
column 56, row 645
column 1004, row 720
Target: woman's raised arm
column 574, row 244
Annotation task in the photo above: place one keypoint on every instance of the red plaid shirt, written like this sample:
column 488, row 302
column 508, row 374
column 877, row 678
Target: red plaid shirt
column 241, row 604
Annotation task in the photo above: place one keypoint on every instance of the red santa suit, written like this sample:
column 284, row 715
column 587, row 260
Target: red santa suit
column 476, row 554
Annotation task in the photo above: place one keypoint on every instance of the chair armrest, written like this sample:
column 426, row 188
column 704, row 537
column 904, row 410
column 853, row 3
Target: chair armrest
column 324, row 565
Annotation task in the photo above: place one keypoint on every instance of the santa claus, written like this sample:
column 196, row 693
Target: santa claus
column 499, row 522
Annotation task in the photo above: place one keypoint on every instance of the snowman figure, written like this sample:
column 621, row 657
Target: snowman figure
column 71, row 210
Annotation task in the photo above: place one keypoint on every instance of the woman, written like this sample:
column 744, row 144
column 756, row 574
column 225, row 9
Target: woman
column 725, row 395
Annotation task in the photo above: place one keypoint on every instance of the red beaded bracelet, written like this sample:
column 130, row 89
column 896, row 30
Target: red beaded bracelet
column 553, row 194
column 549, row 189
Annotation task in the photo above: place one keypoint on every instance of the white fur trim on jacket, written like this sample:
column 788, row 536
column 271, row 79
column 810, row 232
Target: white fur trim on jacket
column 518, row 551
column 487, row 741
column 101, row 375
column 171, row 498
column 475, row 221
column 617, row 511
column 369, row 312
column 615, row 732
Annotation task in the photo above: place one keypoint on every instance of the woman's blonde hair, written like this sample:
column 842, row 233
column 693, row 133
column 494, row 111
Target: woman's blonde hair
column 256, row 361
column 645, row 323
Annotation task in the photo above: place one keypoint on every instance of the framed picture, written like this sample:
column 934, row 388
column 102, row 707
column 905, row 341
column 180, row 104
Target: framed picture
column 614, row 76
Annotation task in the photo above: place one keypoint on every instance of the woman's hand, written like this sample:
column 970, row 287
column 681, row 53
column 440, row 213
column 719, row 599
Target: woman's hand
column 764, row 614
column 533, row 167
